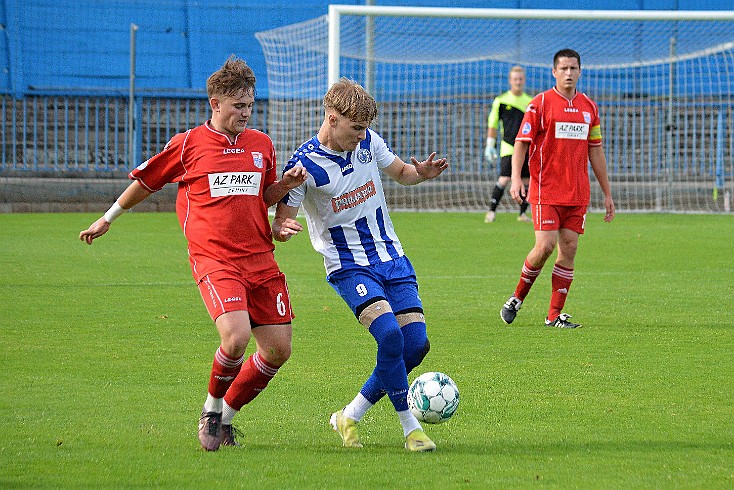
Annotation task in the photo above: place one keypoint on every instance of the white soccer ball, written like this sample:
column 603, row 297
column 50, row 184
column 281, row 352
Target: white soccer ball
column 433, row 397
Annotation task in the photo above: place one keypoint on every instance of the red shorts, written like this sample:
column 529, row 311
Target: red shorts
column 264, row 296
column 548, row 217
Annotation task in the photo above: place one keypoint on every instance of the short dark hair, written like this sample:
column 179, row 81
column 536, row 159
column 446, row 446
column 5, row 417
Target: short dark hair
column 232, row 78
column 566, row 53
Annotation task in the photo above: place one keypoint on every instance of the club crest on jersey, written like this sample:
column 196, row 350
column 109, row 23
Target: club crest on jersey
column 257, row 159
column 526, row 128
column 364, row 156
column 587, row 117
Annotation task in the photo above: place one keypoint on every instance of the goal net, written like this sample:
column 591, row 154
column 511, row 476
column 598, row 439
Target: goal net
column 663, row 80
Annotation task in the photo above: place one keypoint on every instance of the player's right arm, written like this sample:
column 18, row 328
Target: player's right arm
column 285, row 224
column 134, row 194
column 148, row 177
column 490, row 148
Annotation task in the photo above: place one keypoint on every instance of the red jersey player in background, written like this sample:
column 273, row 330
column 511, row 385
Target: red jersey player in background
column 226, row 176
column 561, row 130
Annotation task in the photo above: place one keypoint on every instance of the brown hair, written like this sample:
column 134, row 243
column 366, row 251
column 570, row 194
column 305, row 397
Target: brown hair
column 351, row 100
column 232, row 78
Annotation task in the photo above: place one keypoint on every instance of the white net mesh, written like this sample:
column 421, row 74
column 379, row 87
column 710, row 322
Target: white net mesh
column 664, row 88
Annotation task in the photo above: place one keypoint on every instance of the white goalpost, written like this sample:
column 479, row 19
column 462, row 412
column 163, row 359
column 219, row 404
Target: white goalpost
column 663, row 80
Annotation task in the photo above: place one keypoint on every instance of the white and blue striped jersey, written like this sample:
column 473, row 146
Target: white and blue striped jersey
column 345, row 207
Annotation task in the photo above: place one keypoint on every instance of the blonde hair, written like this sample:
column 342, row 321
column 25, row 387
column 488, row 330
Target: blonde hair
column 517, row 68
column 231, row 79
column 350, row 100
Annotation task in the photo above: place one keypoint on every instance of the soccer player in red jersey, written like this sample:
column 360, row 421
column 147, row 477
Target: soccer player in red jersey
column 226, row 177
column 562, row 133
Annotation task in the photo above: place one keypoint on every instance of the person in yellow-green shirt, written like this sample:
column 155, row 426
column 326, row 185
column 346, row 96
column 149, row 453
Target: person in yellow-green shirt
column 507, row 112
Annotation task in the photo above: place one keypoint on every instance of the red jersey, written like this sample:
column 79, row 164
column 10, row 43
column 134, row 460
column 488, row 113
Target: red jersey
column 560, row 132
column 220, row 202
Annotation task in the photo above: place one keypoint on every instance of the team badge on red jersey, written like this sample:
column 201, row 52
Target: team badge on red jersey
column 257, row 159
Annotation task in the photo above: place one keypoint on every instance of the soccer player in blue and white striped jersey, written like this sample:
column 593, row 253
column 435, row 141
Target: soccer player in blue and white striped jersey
column 349, row 224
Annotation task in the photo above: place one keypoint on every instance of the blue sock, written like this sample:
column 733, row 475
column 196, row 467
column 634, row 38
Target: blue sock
column 415, row 348
column 389, row 374
column 415, row 341
column 372, row 389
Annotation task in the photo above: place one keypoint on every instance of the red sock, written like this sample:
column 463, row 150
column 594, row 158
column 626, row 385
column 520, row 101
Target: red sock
column 527, row 277
column 224, row 372
column 253, row 378
column 561, row 281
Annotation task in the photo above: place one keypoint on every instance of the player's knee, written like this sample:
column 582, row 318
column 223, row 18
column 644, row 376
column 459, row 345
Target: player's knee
column 276, row 354
column 426, row 349
column 234, row 331
column 423, row 352
column 281, row 354
column 545, row 249
column 390, row 344
column 413, row 326
column 568, row 248
column 415, row 354
column 235, row 345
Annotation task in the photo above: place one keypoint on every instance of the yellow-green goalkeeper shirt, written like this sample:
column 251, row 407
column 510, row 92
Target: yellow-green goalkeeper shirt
column 506, row 115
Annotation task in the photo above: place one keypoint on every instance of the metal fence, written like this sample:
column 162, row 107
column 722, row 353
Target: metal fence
column 65, row 136
column 83, row 137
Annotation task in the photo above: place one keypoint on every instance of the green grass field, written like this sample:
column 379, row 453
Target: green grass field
column 106, row 352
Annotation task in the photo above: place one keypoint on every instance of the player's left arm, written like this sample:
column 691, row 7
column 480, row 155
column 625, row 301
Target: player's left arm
column 599, row 165
column 292, row 178
column 285, row 224
column 416, row 172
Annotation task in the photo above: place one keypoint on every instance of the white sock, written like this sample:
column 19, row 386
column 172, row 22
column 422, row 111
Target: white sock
column 409, row 422
column 228, row 414
column 357, row 407
column 213, row 404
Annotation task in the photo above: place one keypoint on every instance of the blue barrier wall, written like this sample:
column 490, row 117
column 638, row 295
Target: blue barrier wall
column 51, row 47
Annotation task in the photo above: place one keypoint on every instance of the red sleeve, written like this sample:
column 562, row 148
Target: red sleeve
column 271, row 171
column 165, row 167
column 595, row 129
column 531, row 121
